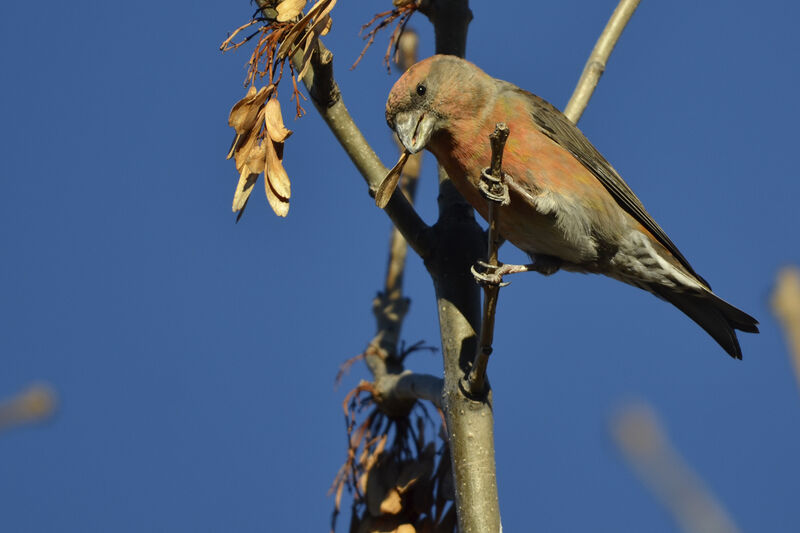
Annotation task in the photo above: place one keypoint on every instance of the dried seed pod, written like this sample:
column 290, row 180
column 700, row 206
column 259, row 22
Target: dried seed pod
column 325, row 25
column 243, row 189
column 392, row 502
column 289, row 9
column 242, row 152
column 244, row 112
column 257, row 158
column 296, row 35
column 278, row 204
column 389, row 183
column 273, row 121
column 276, row 174
column 246, row 117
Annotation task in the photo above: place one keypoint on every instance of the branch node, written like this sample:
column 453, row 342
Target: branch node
column 323, row 90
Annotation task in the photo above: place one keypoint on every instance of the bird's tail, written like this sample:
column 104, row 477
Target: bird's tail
column 713, row 314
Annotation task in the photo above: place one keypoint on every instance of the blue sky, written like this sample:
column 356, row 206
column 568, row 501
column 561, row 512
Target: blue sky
column 194, row 358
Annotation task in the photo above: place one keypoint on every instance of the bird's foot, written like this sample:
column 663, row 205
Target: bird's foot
column 493, row 188
column 487, row 274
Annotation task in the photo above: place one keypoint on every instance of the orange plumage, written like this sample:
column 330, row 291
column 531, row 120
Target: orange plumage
column 569, row 208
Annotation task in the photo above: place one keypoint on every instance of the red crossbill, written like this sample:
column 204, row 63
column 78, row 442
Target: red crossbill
column 569, row 208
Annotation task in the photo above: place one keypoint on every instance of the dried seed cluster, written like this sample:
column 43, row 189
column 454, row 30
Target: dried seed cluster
column 258, row 148
column 256, row 118
column 399, row 481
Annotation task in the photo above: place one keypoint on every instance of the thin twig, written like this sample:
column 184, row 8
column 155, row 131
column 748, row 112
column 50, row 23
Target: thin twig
column 226, row 44
column 370, row 37
column 598, row 58
column 381, row 20
column 477, row 376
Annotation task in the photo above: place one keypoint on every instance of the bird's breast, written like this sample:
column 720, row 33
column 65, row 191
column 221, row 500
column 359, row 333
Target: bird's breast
column 545, row 215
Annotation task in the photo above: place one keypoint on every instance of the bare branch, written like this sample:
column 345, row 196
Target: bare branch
column 409, row 386
column 328, row 100
column 596, row 64
column 461, row 242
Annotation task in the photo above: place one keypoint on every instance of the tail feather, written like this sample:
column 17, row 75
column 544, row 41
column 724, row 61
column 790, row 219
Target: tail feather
column 719, row 318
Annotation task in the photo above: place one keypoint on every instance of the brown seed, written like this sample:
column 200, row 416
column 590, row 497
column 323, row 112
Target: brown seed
column 243, row 189
column 392, row 503
column 293, row 38
column 243, row 151
column 257, row 158
column 326, row 25
column 389, row 183
column 289, row 9
column 275, row 171
column 244, row 113
column 273, row 120
column 279, row 205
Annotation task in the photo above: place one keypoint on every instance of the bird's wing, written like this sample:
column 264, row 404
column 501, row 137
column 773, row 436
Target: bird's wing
column 552, row 123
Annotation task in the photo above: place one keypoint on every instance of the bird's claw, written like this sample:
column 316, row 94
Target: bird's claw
column 489, row 274
column 494, row 189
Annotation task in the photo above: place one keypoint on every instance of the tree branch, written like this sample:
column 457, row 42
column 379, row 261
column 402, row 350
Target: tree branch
column 325, row 95
column 596, row 64
column 461, row 242
column 408, row 387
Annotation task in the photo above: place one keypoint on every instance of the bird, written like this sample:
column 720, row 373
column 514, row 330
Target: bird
column 569, row 209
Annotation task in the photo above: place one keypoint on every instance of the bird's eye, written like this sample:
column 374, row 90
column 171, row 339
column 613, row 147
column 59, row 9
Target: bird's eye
column 421, row 90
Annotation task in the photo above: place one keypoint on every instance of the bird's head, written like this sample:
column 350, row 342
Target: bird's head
column 431, row 95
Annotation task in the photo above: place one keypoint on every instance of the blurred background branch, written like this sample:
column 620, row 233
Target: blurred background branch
column 644, row 444
column 786, row 306
column 34, row 404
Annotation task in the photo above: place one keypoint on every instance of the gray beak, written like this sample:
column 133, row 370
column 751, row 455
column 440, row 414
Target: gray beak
column 414, row 129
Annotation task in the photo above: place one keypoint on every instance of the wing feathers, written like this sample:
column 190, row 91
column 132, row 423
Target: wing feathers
column 552, row 123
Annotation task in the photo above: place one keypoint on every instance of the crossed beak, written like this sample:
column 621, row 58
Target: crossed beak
column 414, row 129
